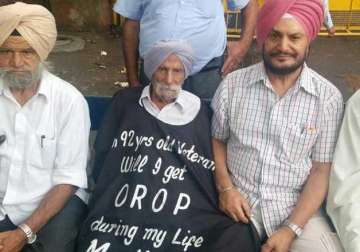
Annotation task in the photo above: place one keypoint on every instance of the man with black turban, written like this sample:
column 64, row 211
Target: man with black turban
column 44, row 127
column 274, row 129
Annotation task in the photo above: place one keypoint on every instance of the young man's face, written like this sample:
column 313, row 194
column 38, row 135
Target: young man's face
column 19, row 63
column 168, row 79
column 286, row 47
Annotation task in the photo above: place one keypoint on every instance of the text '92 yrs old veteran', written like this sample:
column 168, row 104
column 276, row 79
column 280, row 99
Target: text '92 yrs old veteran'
column 45, row 126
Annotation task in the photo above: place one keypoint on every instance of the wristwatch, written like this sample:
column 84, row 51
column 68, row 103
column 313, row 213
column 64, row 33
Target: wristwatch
column 30, row 236
column 295, row 228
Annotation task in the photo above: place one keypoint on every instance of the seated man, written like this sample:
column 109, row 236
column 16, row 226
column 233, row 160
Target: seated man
column 275, row 126
column 44, row 130
column 155, row 190
column 343, row 203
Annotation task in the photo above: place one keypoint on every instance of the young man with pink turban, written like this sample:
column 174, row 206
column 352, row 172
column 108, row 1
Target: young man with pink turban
column 274, row 130
column 44, row 130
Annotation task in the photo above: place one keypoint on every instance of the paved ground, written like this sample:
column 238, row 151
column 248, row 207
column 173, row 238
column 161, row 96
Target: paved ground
column 338, row 59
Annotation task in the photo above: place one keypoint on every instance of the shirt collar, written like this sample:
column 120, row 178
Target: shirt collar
column 304, row 81
column 43, row 88
column 180, row 100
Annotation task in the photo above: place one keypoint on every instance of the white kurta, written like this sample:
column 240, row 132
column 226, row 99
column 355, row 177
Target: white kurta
column 46, row 145
column 343, row 203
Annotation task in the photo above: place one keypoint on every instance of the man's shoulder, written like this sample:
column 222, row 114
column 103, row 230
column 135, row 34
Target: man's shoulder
column 324, row 88
column 354, row 101
column 189, row 98
column 243, row 77
column 59, row 85
column 59, row 89
column 129, row 8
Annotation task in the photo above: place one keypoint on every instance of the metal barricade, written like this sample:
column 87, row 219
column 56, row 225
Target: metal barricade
column 346, row 17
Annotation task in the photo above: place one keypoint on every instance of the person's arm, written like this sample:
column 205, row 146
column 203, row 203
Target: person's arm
column 52, row 203
column 236, row 50
column 310, row 200
column 328, row 23
column 231, row 202
column 130, row 43
column 344, row 189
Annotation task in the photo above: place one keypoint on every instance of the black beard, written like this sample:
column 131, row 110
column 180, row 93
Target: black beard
column 284, row 70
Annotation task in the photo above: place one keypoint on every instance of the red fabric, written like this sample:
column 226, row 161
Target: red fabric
column 309, row 13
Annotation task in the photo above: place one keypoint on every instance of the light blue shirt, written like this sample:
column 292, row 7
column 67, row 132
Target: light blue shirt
column 200, row 22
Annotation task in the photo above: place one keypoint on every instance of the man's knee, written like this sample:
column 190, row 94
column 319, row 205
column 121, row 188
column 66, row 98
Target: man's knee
column 318, row 236
column 60, row 234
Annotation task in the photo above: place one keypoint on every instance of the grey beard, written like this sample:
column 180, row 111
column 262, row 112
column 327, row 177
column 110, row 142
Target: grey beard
column 21, row 80
column 165, row 92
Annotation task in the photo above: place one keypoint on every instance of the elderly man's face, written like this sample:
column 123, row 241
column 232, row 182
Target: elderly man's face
column 168, row 79
column 286, row 47
column 19, row 63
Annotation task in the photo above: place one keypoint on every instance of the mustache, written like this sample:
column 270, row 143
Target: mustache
column 7, row 70
column 169, row 88
column 280, row 53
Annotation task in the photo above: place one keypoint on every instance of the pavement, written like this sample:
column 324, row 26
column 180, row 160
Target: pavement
column 98, row 69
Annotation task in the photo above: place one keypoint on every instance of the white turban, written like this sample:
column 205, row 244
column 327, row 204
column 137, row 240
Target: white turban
column 161, row 50
column 34, row 23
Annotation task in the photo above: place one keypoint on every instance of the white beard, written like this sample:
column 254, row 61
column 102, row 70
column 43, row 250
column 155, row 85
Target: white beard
column 21, row 80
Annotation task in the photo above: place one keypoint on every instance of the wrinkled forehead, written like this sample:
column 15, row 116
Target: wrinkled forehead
column 15, row 42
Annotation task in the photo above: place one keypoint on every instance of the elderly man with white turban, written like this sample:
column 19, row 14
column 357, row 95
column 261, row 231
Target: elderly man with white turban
column 44, row 130
column 155, row 191
column 274, row 130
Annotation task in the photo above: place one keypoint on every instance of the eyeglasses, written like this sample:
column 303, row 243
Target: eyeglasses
column 25, row 54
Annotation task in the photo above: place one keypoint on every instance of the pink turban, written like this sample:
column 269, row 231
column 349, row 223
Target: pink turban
column 309, row 14
column 34, row 22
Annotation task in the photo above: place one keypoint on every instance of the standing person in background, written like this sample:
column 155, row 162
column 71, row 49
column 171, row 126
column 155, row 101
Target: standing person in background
column 328, row 20
column 199, row 22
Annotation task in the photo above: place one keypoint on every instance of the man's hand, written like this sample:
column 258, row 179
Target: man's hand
column 12, row 241
column 134, row 81
column 234, row 205
column 280, row 241
column 236, row 51
column 331, row 31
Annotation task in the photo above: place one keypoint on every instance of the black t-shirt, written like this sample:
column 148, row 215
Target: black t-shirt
column 155, row 191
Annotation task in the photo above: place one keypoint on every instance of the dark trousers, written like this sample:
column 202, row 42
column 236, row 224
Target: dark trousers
column 203, row 84
column 60, row 233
